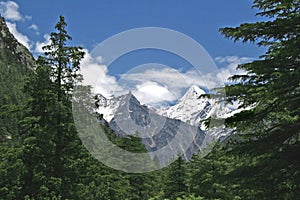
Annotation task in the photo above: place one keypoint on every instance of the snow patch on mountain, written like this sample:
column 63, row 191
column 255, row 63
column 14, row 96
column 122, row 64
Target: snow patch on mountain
column 192, row 108
column 108, row 106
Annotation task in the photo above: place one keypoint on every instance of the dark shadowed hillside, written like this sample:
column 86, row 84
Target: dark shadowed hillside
column 16, row 62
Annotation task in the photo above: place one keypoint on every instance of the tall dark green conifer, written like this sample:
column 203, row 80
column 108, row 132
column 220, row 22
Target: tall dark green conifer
column 260, row 161
column 51, row 144
column 271, row 87
column 64, row 61
column 272, row 84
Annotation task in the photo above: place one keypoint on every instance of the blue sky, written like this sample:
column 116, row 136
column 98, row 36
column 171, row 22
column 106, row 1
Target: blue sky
column 92, row 21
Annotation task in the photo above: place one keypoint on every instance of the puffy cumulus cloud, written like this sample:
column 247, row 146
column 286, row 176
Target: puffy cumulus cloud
column 169, row 77
column 96, row 74
column 39, row 45
column 155, row 85
column 153, row 93
column 23, row 39
column 178, row 81
column 10, row 10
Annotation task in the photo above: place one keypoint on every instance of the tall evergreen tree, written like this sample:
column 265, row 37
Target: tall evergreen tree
column 272, row 84
column 51, row 144
column 64, row 61
column 260, row 161
column 37, row 132
column 271, row 88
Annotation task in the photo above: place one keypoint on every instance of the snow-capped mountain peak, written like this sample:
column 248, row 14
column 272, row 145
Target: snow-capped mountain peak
column 190, row 108
column 193, row 92
column 107, row 106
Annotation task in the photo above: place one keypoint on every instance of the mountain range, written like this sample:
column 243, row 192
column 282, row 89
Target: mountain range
column 169, row 131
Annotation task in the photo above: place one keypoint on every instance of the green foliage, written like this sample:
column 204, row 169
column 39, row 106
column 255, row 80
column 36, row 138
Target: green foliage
column 37, row 134
column 261, row 161
column 42, row 156
column 130, row 143
column 264, row 165
column 16, row 63
column 237, row 172
column 190, row 197
column 175, row 182
column 271, row 85
column 11, row 171
column 12, row 78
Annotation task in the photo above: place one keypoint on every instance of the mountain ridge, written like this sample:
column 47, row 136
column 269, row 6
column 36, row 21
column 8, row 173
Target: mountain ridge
column 126, row 116
column 164, row 138
column 11, row 48
column 190, row 108
column 16, row 63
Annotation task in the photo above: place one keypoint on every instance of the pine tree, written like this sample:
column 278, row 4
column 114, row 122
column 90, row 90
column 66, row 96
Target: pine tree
column 51, row 144
column 272, row 84
column 175, row 183
column 64, row 61
column 37, row 132
column 271, row 87
column 57, row 166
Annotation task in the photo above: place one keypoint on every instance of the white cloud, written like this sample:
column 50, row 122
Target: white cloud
column 27, row 17
column 153, row 93
column 23, row 39
column 231, row 63
column 156, row 85
column 233, row 59
column 95, row 74
column 178, row 81
column 10, row 10
column 39, row 45
column 35, row 28
column 169, row 77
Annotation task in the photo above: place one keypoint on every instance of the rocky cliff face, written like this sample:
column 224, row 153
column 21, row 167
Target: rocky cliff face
column 12, row 50
column 16, row 63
